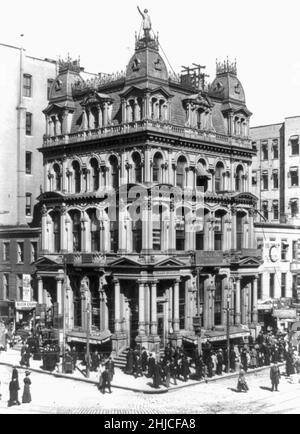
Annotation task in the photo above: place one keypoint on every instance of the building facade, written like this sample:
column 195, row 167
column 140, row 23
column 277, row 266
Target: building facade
column 275, row 181
column 24, row 86
column 147, row 184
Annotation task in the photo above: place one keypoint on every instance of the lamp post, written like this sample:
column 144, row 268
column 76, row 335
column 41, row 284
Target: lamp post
column 88, row 341
column 227, row 330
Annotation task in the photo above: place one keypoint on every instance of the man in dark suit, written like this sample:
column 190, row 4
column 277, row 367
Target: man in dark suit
column 275, row 376
column 105, row 382
column 110, row 365
column 151, row 364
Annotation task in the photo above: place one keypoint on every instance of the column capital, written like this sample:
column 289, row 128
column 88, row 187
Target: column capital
column 116, row 281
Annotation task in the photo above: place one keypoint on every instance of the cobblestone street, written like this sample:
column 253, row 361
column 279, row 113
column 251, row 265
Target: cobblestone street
column 57, row 395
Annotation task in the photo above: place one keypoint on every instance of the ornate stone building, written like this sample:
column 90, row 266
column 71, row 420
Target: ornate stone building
column 147, row 179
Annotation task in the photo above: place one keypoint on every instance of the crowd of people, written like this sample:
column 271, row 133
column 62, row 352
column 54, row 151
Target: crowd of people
column 177, row 364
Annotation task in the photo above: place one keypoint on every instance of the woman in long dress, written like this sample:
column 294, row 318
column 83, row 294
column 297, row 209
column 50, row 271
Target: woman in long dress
column 14, row 388
column 26, row 398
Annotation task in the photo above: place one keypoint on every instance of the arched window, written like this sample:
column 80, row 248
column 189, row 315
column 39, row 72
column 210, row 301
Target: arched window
column 157, row 169
column 201, row 175
column 56, row 231
column 180, row 172
column 219, row 177
column 77, row 176
column 95, row 174
column 114, row 168
column 94, row 118
column 57, row 177
column 219, row 230
column 239, row 230
column 95, row 230
column 239, row 178
column 137, row 166
column 200, row 228
column 76, row 230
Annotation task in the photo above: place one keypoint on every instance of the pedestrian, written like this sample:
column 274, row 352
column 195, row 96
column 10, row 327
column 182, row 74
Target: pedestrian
column 111, row 368
column 220, row 361
column 129, row 361
column 275, row 376
column 253, row 358
column 185, row 368
column 167, row 373
column 26, row 398
column 173, row 371
column 242, row 385
column 14, row 389
column 151, row 364
column 105, row 383
column 144, row 359
column 156, row 375
column 95, row 361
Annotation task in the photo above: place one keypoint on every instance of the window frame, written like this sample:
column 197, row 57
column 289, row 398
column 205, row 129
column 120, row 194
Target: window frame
column 28, row 124
column 27, row 88
column 28, row 204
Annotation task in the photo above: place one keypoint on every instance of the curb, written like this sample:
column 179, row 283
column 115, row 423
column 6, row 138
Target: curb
column 153, row 392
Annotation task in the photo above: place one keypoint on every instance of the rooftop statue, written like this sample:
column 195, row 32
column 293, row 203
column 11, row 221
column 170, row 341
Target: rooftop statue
column 146, row 22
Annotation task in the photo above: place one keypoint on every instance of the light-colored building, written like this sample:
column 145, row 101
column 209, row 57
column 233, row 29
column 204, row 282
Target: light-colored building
column 24, row 87
column 148, row 136
column 275, row 181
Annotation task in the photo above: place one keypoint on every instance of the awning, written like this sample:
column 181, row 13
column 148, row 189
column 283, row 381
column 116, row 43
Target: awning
column 234, row 333
column 25, row 305
column 219, row 335
column 94, row 338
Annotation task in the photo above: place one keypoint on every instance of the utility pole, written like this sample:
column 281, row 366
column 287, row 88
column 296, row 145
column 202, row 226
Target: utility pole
column 88, row 341
column 227, row 331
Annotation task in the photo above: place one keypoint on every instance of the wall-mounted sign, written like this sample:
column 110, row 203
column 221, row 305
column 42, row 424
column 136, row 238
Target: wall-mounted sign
column 25, row 305
column 26, row 287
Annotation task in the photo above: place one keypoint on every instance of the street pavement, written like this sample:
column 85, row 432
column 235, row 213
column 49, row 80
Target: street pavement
column 59, row 395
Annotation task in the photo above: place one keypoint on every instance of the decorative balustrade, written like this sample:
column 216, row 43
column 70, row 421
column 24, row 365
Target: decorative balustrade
column 145, row 124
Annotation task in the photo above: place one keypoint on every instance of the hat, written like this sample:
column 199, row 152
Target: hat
column 27, row 372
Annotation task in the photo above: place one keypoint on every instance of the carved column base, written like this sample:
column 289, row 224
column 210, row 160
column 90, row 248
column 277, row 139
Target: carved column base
column 238, row 318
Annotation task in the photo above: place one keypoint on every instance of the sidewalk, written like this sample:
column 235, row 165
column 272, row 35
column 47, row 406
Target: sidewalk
column 121, row 380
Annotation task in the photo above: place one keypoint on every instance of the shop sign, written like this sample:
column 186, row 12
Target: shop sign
column 25, row 305
column 26, row 287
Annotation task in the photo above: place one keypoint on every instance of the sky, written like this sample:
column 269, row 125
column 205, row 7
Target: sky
column 262, row 35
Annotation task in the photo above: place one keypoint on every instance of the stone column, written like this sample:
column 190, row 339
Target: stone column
column 238, row 301
column 224, row 300
column 147, row 169
column 45, row 237
column 176, row 325
column 172, row 229
column 251, row 239
column 170, row 305
column 233, row 228
column 141, row 308
column 123, row 103
column 40, row 290
column 153, row 308
column 212, row 290
column 254, row 301
column 59, row 294
column 244, row 295
column 147, row 309
column 249, row 303
column 117, row 305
